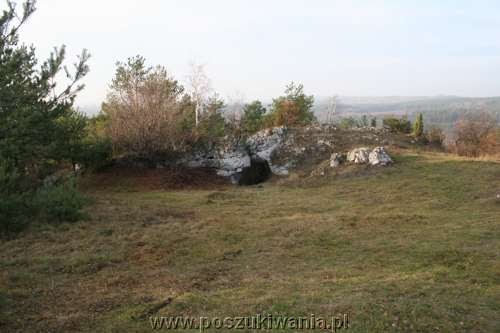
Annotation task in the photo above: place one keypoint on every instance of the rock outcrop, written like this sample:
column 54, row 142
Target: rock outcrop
column 358, row 156
column 233, row 161
column 263, row 145
column 275, row 151
column 336, row 159
column 378, row 156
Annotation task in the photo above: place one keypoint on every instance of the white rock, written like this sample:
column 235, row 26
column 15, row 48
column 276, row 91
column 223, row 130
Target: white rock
column 378, row 156
column 262, row 145
column 335, row 160
column 358, row 155
column 232, row 162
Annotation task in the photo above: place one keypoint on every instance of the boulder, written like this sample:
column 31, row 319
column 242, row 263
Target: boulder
column 336, row 159
column 358, row 155
column 378, row 156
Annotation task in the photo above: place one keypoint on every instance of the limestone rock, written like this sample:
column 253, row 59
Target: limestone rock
column 378, row 156
column 263, row 144
column 335, row 160
column 232, row 162
column 358, row 155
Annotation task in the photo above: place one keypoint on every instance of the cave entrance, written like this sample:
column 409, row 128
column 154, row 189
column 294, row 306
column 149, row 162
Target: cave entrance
column 257, row 172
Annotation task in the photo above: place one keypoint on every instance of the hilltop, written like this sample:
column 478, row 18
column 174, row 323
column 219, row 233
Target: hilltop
column 387, row 245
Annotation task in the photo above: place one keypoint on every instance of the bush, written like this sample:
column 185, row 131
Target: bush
column 397, row 125
column 15, row 212
column 147, row 111
column 435, row 136
column 59, row 202
column 95, row 153
column 418, row 127
column 348, row 123
column 476, row 135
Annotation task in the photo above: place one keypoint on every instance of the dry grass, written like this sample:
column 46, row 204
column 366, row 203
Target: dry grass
column 414, row 247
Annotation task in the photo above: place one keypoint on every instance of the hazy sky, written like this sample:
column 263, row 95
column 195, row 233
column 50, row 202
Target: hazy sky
column 253, row 48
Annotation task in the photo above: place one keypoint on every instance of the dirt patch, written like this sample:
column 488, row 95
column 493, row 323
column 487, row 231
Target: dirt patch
column 140, row 179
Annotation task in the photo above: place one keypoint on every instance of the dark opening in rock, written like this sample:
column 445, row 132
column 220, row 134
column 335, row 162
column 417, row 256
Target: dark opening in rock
column 256, row 173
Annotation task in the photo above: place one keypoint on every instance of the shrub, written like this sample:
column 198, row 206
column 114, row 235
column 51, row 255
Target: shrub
column 59, row 202
column 15, row 210
column 95, row 153
column 397, row 125
column 435, row 136
column 418, row 127
column 147, row 111
column 348, row 123
column 363, row 121
column 475, row 135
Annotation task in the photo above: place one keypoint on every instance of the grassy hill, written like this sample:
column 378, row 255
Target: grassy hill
column 413, row 247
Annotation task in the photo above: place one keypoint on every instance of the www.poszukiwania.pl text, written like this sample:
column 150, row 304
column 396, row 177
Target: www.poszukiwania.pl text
column 332, row 323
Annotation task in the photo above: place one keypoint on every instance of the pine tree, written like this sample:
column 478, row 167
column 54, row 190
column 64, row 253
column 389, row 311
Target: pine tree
column 33, row 130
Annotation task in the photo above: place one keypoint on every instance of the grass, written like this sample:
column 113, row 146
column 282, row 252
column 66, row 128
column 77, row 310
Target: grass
column 414, row 247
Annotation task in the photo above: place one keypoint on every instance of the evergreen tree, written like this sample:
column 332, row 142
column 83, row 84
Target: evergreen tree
column 252, row 119
column 294, row 108
column 418, row 127
column 37, row 122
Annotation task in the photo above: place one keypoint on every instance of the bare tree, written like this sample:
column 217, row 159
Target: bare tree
column 332, row 108
column 199, row 88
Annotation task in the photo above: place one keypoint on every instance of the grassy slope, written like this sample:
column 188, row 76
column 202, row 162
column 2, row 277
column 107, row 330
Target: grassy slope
column 415, row 247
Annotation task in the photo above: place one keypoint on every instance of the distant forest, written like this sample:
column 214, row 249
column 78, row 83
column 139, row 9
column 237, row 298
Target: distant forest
column 441, row 111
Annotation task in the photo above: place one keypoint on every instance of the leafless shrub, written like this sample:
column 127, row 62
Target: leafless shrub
column 476, row 135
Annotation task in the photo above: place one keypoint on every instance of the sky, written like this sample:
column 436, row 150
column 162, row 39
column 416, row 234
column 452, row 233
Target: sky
column 252, row 49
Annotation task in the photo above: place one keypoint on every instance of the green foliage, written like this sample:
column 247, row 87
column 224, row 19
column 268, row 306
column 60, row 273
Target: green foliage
column 292, row 109
column 363, row 121
column 435, row 136
column 94, row 149
column 212, row 124
column 39, row 129
column 397, row 125
column 15, row 212
column 95, row 153
column 348, row 122
column 59, row 202
column 253, row 117
column 373, row 122
column 418, row 127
